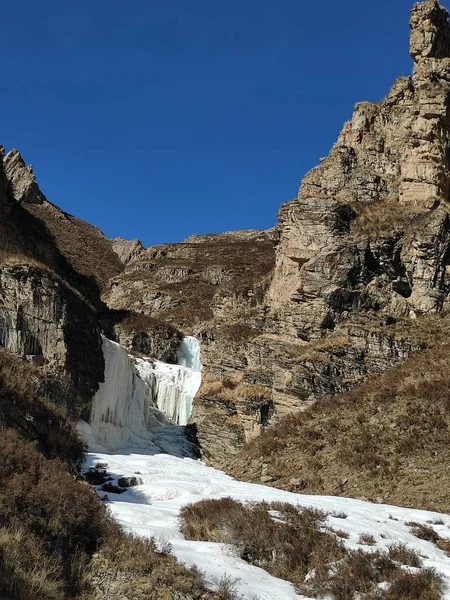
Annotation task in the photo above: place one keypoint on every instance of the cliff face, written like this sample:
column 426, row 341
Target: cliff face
column 307, row 309
column 337, row 290
column 49, row 306
column 370, row 225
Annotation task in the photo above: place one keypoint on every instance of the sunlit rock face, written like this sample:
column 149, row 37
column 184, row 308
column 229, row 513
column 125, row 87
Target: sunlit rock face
column 369, row 228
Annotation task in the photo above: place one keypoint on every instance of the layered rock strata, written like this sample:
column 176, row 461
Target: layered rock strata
column 284, row 316
column 364, row 247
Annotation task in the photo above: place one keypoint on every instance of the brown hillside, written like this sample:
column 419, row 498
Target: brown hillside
column 386, row 440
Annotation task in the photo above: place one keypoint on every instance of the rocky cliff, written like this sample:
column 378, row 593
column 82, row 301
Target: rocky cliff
column 335, row 291
column 48, row 304
column 369, row 228
column 304, row 310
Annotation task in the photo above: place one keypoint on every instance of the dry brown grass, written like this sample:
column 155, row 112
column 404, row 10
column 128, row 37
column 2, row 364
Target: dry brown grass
column 423, row 532
column 26, row 571
column 426, row 585
column 139, row 567
column 385, row 218
column 230, row 391
column 293, row 543
column 360, row 573
column 236, row 332
column 58, row 541
column 366, row 539
column 83, row 245
column 221, row 267
column 70, row 248
column 388, row 438
column 426, row 532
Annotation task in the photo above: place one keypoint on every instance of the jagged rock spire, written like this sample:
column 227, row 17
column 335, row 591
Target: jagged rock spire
column 430, row 31
column 21, row 179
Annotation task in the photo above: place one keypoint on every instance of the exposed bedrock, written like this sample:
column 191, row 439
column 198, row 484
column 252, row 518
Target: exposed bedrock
column 339, row 288
column 44, row 321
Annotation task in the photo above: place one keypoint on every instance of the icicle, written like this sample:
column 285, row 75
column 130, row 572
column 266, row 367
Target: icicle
column 139, row 395
column 176, row 385
column 123, row 405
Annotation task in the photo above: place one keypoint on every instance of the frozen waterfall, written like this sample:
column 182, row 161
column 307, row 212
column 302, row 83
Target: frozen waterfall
column 175, row 385
column 139, row 396
column 189, row 354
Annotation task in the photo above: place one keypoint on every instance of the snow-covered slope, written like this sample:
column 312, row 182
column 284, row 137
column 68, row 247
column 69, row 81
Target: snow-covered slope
column 141, row 440
column 152, row 509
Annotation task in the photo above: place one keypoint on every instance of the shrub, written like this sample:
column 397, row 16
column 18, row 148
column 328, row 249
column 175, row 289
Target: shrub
column 360, row 573
column 62, row 521
column 141, row 567
column 294, row 543
column 284, row 540
column 422, row 531
column 96, row 477
column 226, row 588
column 366, row 539
column 426, row 585
column 403, row 555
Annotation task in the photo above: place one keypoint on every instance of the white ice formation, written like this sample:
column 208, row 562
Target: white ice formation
column 140, row 396
column 175, row 385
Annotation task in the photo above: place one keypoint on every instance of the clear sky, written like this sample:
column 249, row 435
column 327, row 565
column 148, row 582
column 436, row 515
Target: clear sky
column 157, row 119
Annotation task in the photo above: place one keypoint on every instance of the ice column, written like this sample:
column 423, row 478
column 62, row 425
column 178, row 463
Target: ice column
column 189, row 353
column 124, row 406
column 176, row 385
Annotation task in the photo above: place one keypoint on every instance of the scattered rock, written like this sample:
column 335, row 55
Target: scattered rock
column 126, row 482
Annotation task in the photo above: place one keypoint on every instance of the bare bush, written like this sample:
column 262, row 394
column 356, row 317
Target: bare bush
column 287, row 546
column 295, row 544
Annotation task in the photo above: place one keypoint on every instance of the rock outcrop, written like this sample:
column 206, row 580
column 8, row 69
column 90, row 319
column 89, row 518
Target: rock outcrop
column 44, row 321
column 364, row 248
column 126, row 250
column 21, row 179
column 285, row 316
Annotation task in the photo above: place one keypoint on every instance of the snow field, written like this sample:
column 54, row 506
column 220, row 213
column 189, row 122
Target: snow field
column 170, row 482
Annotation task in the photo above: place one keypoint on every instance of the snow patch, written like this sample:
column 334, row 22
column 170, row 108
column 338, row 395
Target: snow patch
column 169, row 483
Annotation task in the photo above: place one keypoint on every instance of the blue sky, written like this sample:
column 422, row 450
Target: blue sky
column 160, row 119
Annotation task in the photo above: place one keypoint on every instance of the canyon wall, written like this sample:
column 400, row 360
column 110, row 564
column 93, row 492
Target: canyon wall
column 336, row 290
column 333, row 292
